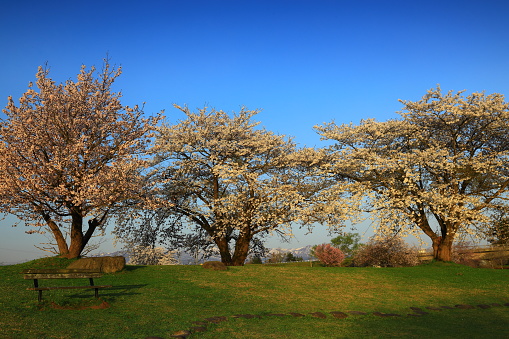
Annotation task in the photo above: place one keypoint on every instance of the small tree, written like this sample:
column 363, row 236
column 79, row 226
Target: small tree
column 275, row 257
column 348, row 243
column 71, row 155
column 290, row 257
column 312, row 252
column 330, row 256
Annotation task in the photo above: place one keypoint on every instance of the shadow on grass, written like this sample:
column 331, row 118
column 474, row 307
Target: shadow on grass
column 446, row 322
column 112, row 293
column 130, row 268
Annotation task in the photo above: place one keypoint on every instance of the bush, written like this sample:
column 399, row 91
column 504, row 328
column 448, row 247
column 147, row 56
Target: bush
column 255, row 260
column 215, row 266
column 329, row 255
column 348, row 262
column 386, row 252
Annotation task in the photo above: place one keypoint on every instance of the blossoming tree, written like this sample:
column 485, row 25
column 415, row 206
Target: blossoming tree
column 231, row 179
column 440, row 169
column 70, row 154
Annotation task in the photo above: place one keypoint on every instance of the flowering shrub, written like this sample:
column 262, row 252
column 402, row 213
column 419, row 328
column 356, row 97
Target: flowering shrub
column 146, row 255
column 387, row 252
column 329, row 255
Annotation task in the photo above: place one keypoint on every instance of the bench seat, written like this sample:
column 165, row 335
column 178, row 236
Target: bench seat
column 65, row 287
column 36, row 274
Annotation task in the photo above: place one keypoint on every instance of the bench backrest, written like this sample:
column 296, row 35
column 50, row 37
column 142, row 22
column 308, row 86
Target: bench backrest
column 60, row 274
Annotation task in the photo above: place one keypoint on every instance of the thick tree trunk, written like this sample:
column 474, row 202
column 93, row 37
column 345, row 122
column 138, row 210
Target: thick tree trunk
column 442, row 248
column 242, row 247
column 442, row 245
column 63, row 249
column 77, row 240
column 224, row 251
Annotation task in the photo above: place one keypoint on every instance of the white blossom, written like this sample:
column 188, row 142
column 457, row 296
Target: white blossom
column 70, row 154
column 232, row 178
column 147, row 255
column 441, row 169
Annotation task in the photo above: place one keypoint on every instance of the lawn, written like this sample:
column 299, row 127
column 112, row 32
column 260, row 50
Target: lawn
column 262, row 301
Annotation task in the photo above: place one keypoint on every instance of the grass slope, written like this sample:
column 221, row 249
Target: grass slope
column 161, row 300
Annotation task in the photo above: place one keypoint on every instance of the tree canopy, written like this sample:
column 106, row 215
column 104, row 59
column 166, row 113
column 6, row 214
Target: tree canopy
column 70, row 154
column 230, row 178
column 348, row 243
column 440, row 169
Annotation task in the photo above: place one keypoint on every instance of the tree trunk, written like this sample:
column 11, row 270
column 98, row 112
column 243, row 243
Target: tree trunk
column 242, row 247
column 442, row 248
column 442, row 245
column 77, row 240
column 63, row 249
column 224, row 251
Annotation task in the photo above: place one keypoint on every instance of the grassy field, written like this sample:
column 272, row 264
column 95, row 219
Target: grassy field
column 162, row 300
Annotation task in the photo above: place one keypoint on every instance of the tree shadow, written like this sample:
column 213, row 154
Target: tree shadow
column 133, row 268
column 113, row 292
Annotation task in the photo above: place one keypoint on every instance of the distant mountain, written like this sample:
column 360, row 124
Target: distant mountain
column 188, row 259
column 302, row 252
column 184, row 258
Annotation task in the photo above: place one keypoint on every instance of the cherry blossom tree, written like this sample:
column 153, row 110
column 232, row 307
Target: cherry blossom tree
column 329, row 255
column 440, row 169
column 232, row 179
column 71, row 154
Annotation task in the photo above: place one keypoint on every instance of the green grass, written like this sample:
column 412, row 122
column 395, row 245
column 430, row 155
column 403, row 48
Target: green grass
column 160, row 300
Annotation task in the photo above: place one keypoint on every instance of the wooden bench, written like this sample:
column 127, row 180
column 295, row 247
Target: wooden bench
column 37, row 274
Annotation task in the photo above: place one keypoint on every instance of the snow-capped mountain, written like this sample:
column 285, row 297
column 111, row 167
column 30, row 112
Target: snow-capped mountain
column 302, row 252
column 188, row 259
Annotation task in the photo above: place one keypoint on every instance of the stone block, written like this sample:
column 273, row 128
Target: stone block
column 101, row 264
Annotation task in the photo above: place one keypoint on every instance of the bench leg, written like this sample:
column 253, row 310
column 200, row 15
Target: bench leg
column 39, row 294
column 96, row 289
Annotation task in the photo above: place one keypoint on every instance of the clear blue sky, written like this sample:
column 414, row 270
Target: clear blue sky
column 303, row 62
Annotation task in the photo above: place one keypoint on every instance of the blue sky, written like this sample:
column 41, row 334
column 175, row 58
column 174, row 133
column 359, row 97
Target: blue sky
column 303, row 62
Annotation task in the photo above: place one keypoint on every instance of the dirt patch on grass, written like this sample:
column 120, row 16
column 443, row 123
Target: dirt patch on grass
column 103, row 305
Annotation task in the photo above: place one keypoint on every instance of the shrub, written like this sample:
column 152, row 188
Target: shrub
column 329, row 255
column 255, row 260
column 215, row 266
column 348, row 262
column 386, row 252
